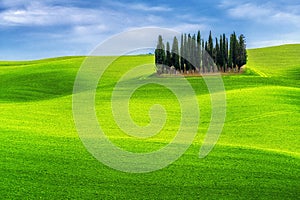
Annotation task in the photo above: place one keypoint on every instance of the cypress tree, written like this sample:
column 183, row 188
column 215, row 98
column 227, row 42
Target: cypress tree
column 221, row 56
column 181, row 54
column 215, row 54
column 160, row 52
column 206, row 57
column 185, row 49
column 202, row 56
column 242, row 52
column 168, row 55
column 225, row 42
column 188, row 53
column 223, row 51
column 233, row 51
column 218, row 55
column 210, row 45
column 230, row 59
column 175, row 54
column 193, row 52
column 198, row 51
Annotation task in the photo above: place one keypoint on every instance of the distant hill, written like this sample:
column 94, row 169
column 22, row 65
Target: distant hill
column 277, row 61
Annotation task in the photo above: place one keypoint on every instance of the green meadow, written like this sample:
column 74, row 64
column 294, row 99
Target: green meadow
column 257, row 155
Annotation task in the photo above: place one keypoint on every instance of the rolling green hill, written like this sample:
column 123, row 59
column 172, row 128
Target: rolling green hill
column 280, row 61
column 257, row 155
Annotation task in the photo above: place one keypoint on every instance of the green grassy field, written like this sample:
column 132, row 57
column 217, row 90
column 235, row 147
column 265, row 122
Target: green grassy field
column 257, row 155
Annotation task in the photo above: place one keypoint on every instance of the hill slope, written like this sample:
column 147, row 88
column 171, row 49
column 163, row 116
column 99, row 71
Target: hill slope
column 257, row 156
column 279, row 61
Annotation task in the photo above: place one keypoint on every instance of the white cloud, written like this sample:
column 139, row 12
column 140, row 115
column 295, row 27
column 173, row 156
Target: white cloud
column 43, row 15
column 134, row 40
column 79, row 19
column 275, row 39
column 191, row 28
column 90, row 29
column 265, row 23
column 249, row 11
column 286, row 17
column 264, row 13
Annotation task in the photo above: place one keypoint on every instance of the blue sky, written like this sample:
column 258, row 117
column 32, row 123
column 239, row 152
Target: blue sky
column 48, row 28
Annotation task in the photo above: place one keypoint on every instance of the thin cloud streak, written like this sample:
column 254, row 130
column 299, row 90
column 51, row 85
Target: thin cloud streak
column 141, row 7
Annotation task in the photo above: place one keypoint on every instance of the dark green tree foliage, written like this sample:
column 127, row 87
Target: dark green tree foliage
column 205, row 59
column 181, row 54
column 221, row 54
column 202, row 56
column 198, row 51
column 160, row 52
column 225, row 52
column 233, row 51
column 185, row 48
column 188, row 53
column 175, row 54
column 242, row 52
column 214, row 55
column 195, row 54
column 218, row 56
column 168, row 61
column 210, row 45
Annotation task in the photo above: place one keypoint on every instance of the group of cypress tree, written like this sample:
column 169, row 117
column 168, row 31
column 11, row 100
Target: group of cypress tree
column 197, row 55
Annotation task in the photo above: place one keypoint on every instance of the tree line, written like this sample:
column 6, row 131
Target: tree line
column 198, row 55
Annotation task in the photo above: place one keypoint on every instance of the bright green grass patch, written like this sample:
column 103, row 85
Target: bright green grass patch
column 282, row 61
column 41, row 155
